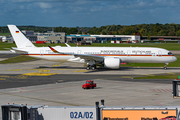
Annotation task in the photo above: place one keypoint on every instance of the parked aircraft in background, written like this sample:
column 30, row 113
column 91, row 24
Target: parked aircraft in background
column 110, row 57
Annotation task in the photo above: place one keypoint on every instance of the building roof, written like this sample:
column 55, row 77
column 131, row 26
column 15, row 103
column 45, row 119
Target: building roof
column 162, row 36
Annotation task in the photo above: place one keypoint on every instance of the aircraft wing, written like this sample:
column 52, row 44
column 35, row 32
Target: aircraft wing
column 89, row 57
column 86, row 57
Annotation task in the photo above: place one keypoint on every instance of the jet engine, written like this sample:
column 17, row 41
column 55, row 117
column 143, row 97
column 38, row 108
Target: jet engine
column 112, row 62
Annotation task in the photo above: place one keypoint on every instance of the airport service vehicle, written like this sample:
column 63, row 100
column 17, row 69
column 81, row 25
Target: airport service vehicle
column 109, row 57
column 89, row 84
column 169, row 118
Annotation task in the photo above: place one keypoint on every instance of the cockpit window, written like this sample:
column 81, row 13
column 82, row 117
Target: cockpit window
column 169, row 53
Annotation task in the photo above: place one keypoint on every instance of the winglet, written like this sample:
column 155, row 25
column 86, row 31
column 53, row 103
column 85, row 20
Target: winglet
column 67, row 45
column 55, row 51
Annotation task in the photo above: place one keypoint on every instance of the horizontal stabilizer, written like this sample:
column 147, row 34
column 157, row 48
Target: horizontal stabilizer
column 16, row 50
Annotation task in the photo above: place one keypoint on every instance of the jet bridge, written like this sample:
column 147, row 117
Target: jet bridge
column 176, row 88
column 42, row 112
column 19, row 112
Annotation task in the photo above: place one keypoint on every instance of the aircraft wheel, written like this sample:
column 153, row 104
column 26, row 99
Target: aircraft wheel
column 93, row 68
column 88, row 67
column 165, row 68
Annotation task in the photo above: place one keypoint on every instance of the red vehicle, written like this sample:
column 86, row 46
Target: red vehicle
column 39, row 42
column 89, row 84
column 169, row 118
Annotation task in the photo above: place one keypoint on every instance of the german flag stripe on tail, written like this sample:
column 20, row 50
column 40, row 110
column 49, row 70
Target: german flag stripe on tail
column 53, row 49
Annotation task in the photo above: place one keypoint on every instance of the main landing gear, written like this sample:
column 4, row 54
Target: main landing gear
column 165, row 66
column 93, row 67
column 91, row 64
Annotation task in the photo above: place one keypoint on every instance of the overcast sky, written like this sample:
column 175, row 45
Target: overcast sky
column 88, row 13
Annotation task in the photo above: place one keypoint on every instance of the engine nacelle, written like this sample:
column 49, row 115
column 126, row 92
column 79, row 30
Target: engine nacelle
column 112, row 62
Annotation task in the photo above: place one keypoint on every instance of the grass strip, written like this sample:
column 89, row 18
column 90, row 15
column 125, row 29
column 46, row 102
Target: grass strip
column 168, row 46
column 17, row 59
column 173, row 64
column 170, row 76
column 3, row 45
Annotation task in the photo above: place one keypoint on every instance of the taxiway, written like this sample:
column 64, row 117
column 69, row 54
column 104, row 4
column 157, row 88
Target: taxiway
column 59, row 84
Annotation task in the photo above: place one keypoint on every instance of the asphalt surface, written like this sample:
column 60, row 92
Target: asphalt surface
column 59, row 84
column 8, row 55
column 14, row 81
column 14, row 75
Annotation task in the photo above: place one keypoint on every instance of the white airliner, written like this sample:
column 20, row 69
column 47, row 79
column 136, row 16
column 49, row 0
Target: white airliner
column 110, row 57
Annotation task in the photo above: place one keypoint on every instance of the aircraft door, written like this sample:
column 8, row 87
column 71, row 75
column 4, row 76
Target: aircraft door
column 128, row 53
column 41, row 52
column 159, row 53
column 79, row 52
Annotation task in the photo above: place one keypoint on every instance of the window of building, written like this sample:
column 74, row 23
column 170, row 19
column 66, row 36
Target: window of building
column 74, row 39
column 108, row 39
column 98, row 38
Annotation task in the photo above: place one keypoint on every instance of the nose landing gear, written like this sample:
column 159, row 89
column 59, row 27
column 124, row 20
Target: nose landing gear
column 165, row 67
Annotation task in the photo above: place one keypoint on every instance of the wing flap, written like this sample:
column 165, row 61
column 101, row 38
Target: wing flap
column 89, row 57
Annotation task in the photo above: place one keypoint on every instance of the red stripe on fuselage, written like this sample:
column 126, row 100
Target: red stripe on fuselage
column 99, row 55
column 48, row 54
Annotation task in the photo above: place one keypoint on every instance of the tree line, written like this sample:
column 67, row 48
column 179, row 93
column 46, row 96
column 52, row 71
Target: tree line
column 140, row 29
column 4, row 29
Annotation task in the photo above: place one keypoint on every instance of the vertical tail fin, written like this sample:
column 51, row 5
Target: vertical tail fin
column 19, row 38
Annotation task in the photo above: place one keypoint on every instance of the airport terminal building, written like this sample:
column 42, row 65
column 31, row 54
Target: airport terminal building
column 61, row 37
column 51, row 37
column 101, row 38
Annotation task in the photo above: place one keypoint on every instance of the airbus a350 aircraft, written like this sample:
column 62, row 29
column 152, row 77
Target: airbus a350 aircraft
column 110, row 57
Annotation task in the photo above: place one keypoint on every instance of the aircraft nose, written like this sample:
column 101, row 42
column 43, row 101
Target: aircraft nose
column 174, row 58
